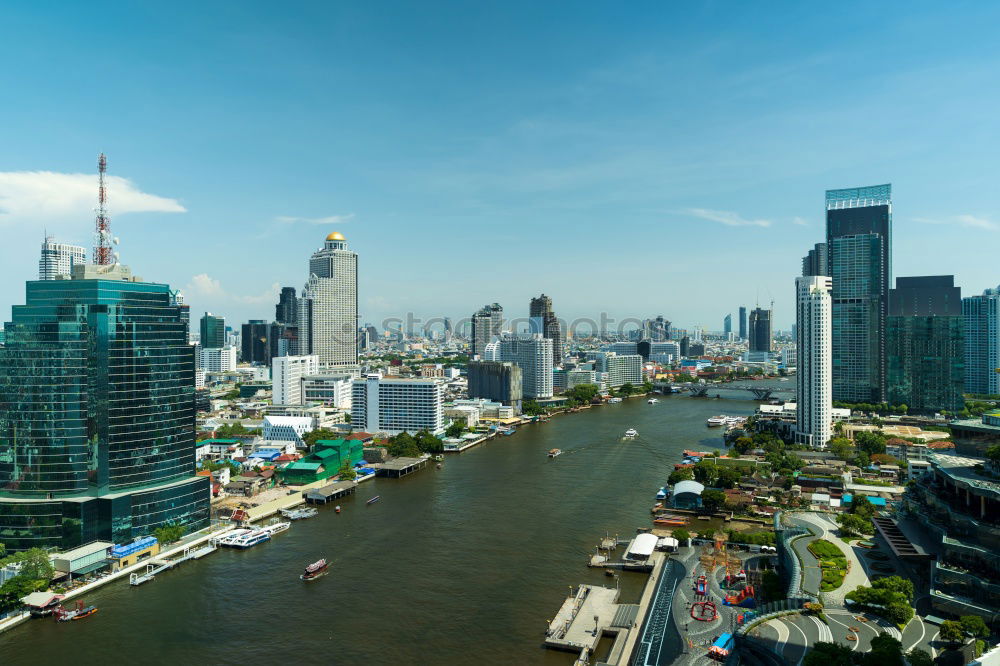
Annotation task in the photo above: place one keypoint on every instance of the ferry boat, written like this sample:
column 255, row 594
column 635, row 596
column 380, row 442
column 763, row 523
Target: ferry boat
column 299, row 514
column 716, row 421
column 555, row 452
column 276, row 528
column 652, row 401
column 245, row 538
column 374, row 499
column 64, row 614
column 84, row 612
column 614, row 401
column 670, row 522
column 315, row 570
column 631, row 432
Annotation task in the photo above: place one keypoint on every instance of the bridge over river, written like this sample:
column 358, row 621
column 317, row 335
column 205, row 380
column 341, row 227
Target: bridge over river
column 759, row 392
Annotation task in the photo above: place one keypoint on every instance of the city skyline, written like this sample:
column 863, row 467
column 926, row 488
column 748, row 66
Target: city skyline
column 555, row 156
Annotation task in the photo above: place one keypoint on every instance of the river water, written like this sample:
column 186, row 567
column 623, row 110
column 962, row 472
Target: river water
column 460, row 565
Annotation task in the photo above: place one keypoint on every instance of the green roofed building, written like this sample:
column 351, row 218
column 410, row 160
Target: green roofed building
column 328, row 456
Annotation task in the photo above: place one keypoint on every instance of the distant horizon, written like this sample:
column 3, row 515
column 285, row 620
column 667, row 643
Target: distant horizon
column 493, row 154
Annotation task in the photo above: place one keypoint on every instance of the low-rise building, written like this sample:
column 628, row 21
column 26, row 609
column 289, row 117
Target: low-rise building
column 287, row 428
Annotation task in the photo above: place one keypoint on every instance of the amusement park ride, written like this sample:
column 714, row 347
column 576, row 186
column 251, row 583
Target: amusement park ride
column 741, row 592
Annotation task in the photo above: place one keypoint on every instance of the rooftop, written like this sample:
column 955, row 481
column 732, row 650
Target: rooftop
column 961, row 469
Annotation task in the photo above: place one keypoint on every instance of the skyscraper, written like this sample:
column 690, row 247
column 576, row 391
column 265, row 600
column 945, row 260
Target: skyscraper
column 813, row 359
column 58, row 258
column 328, row 309
column 286, row 311
column 982, row 342
column 760, row 330
column 486, row 325
column 743, row 322
column 533, row 354
column 544, row 321
column 816, row 262
column 213, row 331
column 926, row 344
column 859, row 242
column 657, row 329
column 494, row 380
column 97, row 413
column 254, row 346
column 727, row 325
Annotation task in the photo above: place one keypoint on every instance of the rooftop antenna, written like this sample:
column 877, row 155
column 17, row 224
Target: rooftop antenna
column 104, row 255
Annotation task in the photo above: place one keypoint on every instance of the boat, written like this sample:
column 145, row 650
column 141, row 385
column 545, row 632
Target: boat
column 652, row 401
column 631, row 432
column 437, row 458
column 276, row 528
column 670, row 522
column 337, row 508
column 614, row 401
column 247, row 538
column 716, row 421
column 374, row 499
column 315, row 570
column 299, row 514
column 84, row 612
column 555, row 452
column 661, row 493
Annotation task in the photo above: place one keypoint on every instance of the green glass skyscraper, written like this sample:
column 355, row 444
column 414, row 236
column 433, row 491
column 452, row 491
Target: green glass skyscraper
column 926, row 344
column 859, row 242
column 213, row 331
column 97, row 413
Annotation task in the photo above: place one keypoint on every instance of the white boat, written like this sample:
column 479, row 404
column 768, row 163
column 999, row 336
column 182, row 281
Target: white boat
column 631, row 432
column 245, row 538
column 555, row 452
column 652, row 401
column 716, row 421
column 276, row 528
column 299, row 514
column 614, row 401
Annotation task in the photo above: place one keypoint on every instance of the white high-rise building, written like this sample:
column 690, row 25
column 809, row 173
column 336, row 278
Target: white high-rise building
column 217, row 359
column 814, row 383
column 982, row 342
column 286, row 377
column 533, row 354
column 621, row 368
column 59, row 258
column 328, row 309
column 331, row 389
column 392, row 405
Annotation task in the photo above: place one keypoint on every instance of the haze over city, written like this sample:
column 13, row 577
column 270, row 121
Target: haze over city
column 478, row 153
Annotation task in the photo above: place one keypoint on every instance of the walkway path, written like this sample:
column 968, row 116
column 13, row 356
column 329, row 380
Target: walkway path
column 856, row 571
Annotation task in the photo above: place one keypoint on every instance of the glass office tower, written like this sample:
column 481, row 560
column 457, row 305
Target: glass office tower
column 859, row 242
column 97, row 413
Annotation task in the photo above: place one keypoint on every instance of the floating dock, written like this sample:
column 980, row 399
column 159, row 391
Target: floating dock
column 399, row 467
column 331, row 492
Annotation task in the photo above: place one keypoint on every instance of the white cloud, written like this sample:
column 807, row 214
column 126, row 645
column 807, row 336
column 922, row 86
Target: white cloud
column 206, row 288
column 47, row 195
column 802, row 222
column 970, row 221
column 330, row 219
column 727, row 218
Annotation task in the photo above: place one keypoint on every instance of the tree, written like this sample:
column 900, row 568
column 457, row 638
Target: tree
column 870, row 442
column 885, row 651
column 828, row 654
column 681, row 534
column 974, row 626
column 35, row 565
column 713, row 500
column 854, row 525
column 626, row 389
column 454, row 430
column 169, row 533
column 862, row 506
column 679, row 475
column 403, row 445
column 841, row 447
column 347, row 472
column 896, row 584
column 531, row 408
column 952, row 632
column 918, row 657
column 583, row 393
column 706, row 472
column 647, row 386
column 347, row 417
column 728, row 477
column 313, row 436
column 428, row 443
column 742, row 445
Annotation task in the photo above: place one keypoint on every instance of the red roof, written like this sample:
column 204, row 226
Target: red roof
column 940, row 445
column 360, row 435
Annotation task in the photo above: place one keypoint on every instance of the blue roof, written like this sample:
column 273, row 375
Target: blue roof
column 875, row 501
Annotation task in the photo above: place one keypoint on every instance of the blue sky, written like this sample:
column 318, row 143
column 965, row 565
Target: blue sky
column 629, row 158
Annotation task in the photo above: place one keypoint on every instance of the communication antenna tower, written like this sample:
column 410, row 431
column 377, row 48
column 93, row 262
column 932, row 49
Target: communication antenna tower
column 104, row 255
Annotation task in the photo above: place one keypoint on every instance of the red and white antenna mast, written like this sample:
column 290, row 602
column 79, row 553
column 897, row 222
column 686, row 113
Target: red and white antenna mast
column 104, row 255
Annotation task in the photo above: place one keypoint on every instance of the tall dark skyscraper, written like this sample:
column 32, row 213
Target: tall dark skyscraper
column 286, row 311
column 760, row 330
column 540, row 310
column 254, row 345
column 859, row 242
column 486, row 325
column 727, row 324
column 743, row 322
column 816, row 262
column 97, row 413
column 657, row 329
column 213, row 331
column 926, row 344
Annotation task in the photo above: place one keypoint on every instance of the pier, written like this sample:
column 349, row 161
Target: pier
column 399, row 467
column 160, row 565
column 331, row 492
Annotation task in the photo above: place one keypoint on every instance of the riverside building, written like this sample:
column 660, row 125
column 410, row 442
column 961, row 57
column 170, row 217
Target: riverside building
column 497, row 381
column 97, row 413
column 394, row 405
column 486, row 325
column 813, row 417
column 621, row 368
column 533, row 354
column 859, row 242
column 544, row 321
column 287, row 373
column 328, row 309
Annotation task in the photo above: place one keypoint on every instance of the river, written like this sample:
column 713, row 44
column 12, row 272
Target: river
column 460, row 565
